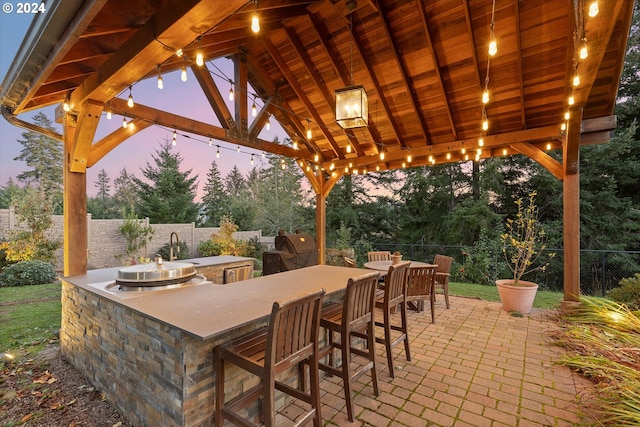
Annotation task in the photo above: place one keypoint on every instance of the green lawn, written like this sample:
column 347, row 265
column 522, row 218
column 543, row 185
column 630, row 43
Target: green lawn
column 29, row 317
column 544, row 299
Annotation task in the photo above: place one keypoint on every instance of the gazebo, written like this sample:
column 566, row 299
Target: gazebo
column 420, row 85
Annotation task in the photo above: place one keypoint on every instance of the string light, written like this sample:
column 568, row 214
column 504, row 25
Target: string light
column 199, row 57
column 218, row 152
column 382, row 154
column 124, row 122
column 160, row 82
column 175, row 136
column 567, row 115
column 583, row 50
column 238, row 150
column 576, row 79
column 269, row 122
column 316, row 157
column 254, row 110
column 130, row 100
column 348, row 148
column 183, row 73
column 485, row 96
column 179, row 53
column 493, row 44
column 210, row 142
column 409, row 157
column 65, row 105
column 295, row 145
column 231, row 91
column 504, row 151
column 252, row 159
column 255, row 24
column 563, row 126
column 448, row 156
column 131, row 124
column 594, row 9
column 464, row 150
column 309, row 135
column 485, row 124
column 548, row 146
column 481, row 142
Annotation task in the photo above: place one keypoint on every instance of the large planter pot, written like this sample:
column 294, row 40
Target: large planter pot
column 517, row 298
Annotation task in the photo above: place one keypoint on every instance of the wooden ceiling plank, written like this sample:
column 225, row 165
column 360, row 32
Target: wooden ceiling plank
column 88, row 119
column 213, row 95
column 549, row 163
column 184, row 124
column 142, row 52
column 406, row 80
column 293, row 82
column 115, row 138
column 434, row 58
column 523, row 116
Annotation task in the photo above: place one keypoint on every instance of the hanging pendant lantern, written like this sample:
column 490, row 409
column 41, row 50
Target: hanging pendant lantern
column 352, row 108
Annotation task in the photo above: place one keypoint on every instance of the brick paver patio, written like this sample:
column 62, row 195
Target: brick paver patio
column 477, row 366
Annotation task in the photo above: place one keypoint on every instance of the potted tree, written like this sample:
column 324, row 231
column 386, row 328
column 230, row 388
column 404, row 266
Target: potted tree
column 523, row 244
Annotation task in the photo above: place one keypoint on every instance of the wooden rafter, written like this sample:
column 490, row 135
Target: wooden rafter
column 523, row 117
column 404, row 75
column 436, row 66
column 293, row 82
column 472, row 42
column 376, row 84
column 214, row 97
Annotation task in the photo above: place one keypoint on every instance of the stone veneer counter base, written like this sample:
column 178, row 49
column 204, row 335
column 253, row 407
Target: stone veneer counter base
column 152, row 355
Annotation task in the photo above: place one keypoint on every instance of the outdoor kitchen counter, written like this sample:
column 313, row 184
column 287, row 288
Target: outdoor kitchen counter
column 206, row 311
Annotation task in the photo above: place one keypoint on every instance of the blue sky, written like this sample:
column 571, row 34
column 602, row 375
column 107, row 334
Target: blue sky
column 183, row 98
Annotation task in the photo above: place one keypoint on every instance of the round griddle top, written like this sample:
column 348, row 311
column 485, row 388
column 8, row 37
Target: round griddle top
column 155, row 273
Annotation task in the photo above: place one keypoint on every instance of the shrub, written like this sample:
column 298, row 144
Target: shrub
column 25, row 273
column 183, row 251
column 210, row 248
column 628, row 293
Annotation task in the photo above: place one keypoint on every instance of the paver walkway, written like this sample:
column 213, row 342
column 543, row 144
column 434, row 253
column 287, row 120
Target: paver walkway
column 477, row 366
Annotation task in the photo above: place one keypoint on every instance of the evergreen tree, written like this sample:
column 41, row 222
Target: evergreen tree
column 9, row 193
column 234, row 182
column 104, row 188
column 215, row 201
column 169, row 195
column 43, row 157
column 125, row 195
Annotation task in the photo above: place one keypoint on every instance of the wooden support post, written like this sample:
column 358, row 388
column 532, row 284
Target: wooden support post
column 75, row 206
column 571, row 239
column 321, row 222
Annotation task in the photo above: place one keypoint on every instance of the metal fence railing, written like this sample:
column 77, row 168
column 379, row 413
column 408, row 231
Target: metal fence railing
column 600, row 270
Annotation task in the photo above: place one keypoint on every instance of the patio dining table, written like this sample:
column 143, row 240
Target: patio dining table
column 383, row 266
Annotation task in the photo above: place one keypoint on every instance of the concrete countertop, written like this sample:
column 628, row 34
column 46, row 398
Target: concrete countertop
column 209, row 310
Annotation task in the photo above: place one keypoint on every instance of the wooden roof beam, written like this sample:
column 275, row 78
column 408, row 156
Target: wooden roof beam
column 523, row 117
column 146, row 48
column 115, row 138
column 467, row 15
column 434, row 58
column 406, row 80
column 293, row 82
column 548, row 133
column 214, row 97
column 206, row 130
column 548, row 162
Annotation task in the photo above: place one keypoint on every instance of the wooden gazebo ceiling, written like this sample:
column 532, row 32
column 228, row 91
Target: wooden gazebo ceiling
column 423, row 64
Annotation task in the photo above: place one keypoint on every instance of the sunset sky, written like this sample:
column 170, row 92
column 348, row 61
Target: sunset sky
column 178, row 97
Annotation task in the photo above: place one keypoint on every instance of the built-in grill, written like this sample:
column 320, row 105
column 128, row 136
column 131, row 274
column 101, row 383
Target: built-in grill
column 159, row 274
column 292, row 251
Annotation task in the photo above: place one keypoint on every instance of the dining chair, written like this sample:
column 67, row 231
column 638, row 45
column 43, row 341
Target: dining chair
column 290, row 339
column 394, row 295
column 420, row 288
column 378, row 256
column 351, row 318
column 442, row 275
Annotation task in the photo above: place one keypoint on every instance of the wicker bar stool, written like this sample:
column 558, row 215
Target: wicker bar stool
column 290, row 339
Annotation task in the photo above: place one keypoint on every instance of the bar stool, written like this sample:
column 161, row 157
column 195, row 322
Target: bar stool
column 353, row 317
column 394, row 294
column 290, row 339
column 420, row 287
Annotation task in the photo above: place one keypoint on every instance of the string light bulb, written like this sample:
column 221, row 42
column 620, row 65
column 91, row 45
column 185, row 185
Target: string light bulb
column 254, row 110
column 316, row 157
column 448, row 156
column 563, row 126
column 576, row 80
column 309, row 135
column 548, row 146
column 348, row 148
column 504, row 151
column 382, row 154
column 183, row 73
column 124, row 122
column 493, row 46
column 175, row 136
column 231, row 92
column 485, row 124
column 567, row 115
column 255, row 24
column 131, row 125
column 481, row 142
column 409, row 158
column 571, row 100
column 130, row 100
column 295, row 145
column 210, row 142
column 199, row 56
column 269, row 122
column 238, row 150
column 485, row 96
column 217, row 152
column 252, row 160
column 65, row 105
column 594, row 9
column 179, row 53
column 160, row 82
column 109, row 113
column 464, row 150
column 583, row 50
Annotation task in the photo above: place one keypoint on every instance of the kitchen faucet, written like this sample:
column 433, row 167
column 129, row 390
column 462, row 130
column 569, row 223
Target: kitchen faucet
column 171, row 256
